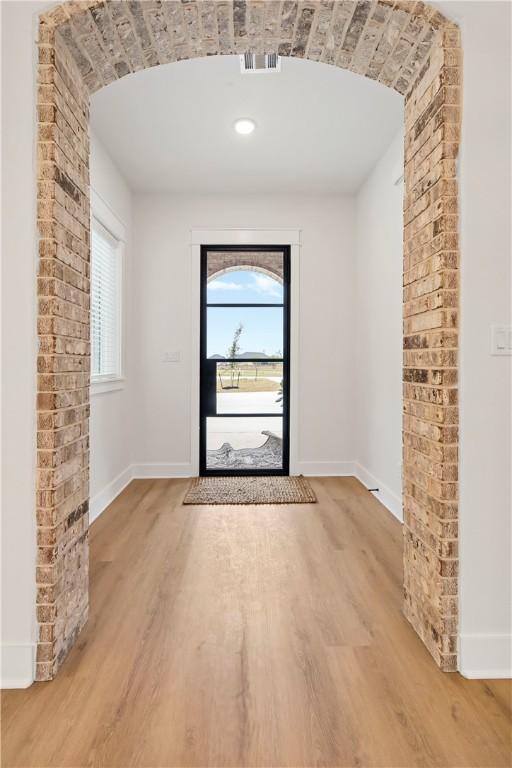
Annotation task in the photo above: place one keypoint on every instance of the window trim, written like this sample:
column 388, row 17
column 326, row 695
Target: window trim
column 102, row 215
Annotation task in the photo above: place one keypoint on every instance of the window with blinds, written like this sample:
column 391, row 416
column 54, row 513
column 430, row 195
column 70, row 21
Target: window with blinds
column 105, row 304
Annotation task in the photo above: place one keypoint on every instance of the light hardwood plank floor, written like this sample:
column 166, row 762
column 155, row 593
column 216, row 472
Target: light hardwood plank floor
column 252, row 636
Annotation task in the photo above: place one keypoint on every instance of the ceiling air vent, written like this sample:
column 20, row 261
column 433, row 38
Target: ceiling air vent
column 260, row 62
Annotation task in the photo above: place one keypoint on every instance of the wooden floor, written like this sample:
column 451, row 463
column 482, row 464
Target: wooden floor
column 252, row 636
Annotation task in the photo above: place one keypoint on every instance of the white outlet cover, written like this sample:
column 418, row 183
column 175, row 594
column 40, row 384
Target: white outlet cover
column 501, row 340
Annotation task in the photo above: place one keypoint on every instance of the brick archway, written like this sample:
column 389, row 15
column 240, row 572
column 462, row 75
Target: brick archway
column 220, row 263
column 409, row 46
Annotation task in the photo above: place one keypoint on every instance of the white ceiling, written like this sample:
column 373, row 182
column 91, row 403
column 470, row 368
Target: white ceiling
column 320, row 129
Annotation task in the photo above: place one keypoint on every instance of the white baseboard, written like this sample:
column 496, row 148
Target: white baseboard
column 324, row 468
column 484, row 656
column 141, row 471
column 386, row 496
column 106, row 496
column 17, row 665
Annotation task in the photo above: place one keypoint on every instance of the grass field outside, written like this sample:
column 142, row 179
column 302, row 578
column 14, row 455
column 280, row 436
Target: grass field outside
column 252, row 378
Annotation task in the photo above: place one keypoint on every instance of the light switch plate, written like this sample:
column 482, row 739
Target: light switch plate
column 501, row 340
column 172, row 357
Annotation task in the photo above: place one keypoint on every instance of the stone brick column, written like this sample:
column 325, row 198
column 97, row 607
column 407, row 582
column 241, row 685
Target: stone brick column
column 430, row 423
column 64, row 354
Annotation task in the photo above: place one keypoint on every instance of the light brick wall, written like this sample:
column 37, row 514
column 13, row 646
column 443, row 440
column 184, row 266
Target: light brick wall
column 220, row 263
column 430, row 424
column 64, row 353
column 408, row 46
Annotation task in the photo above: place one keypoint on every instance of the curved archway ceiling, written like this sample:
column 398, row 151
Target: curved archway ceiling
column 319, row 129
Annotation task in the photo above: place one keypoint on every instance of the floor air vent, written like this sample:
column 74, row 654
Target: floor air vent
column 260, row 62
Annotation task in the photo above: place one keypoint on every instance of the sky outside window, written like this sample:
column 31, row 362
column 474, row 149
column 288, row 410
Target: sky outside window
column 262, row 328
column 262, row 332
column 244, row 286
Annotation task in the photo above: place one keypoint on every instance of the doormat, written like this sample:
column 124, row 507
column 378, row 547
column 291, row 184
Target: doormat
column 250, row 490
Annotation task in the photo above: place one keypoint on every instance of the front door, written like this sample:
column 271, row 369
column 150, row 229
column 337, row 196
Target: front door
column 244, row 367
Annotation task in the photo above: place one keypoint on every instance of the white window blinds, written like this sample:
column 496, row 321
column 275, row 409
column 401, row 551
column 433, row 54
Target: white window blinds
column 105, row 304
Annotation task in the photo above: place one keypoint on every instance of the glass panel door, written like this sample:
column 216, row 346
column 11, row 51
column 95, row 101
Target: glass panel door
column 244, row 419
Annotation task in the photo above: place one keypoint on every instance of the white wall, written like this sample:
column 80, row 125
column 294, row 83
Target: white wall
column 485, row 386
column 111, row 426
column 378, row 333
column 163, row 274
column 485, row 417
column 19, row 254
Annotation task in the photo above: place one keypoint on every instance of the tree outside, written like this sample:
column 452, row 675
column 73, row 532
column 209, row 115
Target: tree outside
column 233, row 352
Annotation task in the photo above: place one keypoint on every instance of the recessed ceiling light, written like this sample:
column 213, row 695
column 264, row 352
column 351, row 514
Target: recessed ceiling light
column 245, row 126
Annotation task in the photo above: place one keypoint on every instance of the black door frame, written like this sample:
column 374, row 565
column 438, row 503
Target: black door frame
column 204, row 402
